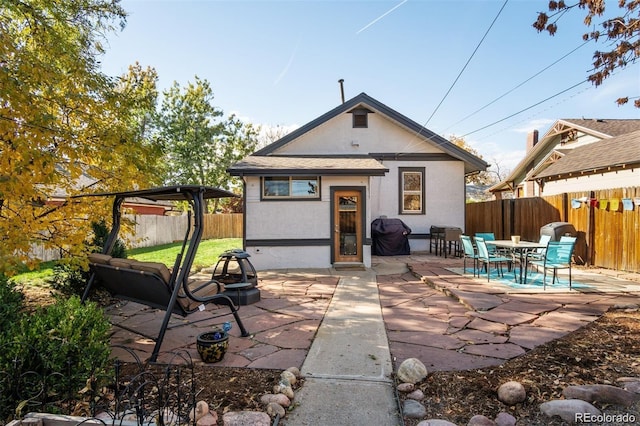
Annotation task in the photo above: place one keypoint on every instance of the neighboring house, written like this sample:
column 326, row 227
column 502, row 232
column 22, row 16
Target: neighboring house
column 576, row 155
column 311, row 196
column 609, row 163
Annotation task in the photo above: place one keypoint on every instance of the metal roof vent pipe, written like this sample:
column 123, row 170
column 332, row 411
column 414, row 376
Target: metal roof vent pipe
column 341, row 81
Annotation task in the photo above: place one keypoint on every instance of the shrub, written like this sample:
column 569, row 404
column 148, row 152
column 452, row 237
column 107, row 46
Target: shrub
column 70, row 278
column 100, row 235
column 61, row 346
column 11, row 302
column 69, row 331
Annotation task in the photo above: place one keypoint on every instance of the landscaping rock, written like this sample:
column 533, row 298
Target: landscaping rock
column 278, row 398
column 512, row 393
column 412, row 370
column 294, row 370
column 436, row 422
column 209, row 419
column 406, row 387
column 200, row 410
column 567, row 409
column 480, row 420
column 246, row 418
column 632, row 384
column 417, row 395
column 413, row 409
column 283, row 389
column 601, row 393
column 505, row 419
column 274, row 409
column 289, row 377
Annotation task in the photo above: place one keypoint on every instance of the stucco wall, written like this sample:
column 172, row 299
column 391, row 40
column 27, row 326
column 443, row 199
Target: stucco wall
column 294, row 219
column 444, row 197
column 337, row 136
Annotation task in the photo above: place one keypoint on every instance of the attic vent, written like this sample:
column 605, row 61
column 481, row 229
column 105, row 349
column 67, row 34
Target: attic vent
column 360, row 117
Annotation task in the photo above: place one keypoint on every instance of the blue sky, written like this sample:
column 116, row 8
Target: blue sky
column 277, row 63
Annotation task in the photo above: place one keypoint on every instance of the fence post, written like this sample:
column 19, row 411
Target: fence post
column 590, row 236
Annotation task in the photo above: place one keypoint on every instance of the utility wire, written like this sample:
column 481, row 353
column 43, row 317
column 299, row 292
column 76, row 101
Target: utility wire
column 465, row 65
column 516, row 87
column 525, row 109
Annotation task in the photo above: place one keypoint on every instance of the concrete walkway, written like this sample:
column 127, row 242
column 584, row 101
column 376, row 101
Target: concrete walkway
column 349, row 356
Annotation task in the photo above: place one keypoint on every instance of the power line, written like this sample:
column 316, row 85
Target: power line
column 537, row 113
column 466, row 64
column 514, row 88
column 525, row 109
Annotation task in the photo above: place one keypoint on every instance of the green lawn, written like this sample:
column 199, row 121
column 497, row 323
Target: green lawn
column 207, row 255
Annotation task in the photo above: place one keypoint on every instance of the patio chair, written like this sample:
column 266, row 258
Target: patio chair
column 469, row 252
column 487, row 259
column 557, row 256
column 536, row 254
column 452, row 236
column 490, row 236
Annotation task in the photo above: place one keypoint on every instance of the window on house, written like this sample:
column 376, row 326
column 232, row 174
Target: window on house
column 360, row 118
column 411, row 190
column 291, row 187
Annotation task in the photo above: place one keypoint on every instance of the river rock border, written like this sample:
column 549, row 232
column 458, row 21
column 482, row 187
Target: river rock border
column 577, row 407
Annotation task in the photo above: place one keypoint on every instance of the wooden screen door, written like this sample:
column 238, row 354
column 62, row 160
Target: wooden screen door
column 347, row 222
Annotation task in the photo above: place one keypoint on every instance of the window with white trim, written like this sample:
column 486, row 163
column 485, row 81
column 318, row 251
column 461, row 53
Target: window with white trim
column 292, row 187
column 411, row 190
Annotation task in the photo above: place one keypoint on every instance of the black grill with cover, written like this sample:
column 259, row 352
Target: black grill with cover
column 389, row 237
column 152, row 283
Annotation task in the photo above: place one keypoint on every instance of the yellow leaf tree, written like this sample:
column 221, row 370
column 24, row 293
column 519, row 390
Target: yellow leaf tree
column 65, row 127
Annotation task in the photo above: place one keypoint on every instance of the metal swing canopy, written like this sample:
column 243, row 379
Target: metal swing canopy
column 195, row 195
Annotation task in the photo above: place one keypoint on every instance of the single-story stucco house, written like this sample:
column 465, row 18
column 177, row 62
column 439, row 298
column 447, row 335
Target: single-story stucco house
column 311, row 196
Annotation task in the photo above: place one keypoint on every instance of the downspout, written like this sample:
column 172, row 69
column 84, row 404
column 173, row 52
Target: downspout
column 244, row 213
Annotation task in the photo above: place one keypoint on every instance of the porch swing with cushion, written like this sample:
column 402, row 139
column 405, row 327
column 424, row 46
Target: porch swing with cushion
column 153, row 284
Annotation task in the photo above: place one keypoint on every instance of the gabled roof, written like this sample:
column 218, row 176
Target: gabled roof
column 600, row 128
column 472, row 163
column 621, row 151
column 606, row 127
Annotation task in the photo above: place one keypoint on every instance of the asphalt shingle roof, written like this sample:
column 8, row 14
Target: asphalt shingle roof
column 287, row 165
column 615, row 151
column 611, row 127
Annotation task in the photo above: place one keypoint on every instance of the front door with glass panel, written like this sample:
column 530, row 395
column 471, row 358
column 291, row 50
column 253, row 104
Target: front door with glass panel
column 347, row 223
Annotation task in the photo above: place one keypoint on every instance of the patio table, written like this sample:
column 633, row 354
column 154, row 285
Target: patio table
column 520, row 249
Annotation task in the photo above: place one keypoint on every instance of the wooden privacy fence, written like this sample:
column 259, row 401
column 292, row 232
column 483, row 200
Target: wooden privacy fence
column 607, row 237
column 151, row 230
